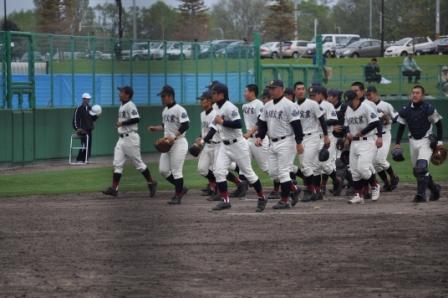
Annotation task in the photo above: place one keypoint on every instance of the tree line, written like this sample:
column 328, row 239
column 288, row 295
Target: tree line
column 233, row 19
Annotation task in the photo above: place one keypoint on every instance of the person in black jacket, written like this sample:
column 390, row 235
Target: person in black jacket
column 83, row 125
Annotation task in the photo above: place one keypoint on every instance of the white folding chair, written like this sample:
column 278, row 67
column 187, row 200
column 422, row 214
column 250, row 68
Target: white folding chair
column 86, row 148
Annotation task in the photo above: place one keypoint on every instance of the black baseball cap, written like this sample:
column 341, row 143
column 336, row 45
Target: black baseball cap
column 126, row 90
column 211, row 84
column 205, row 95
column 265, row 93
column 288, row 91
column 349, row 95
column 166, row 90
column 319, row 90
column 334, row 92
column 371, row 89
column 221, row 88
column 275, row 83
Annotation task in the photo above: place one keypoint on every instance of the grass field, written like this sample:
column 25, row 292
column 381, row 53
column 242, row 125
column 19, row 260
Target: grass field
column 79, row 180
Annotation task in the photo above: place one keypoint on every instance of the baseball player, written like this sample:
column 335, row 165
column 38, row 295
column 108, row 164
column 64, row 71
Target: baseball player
column 280, row 121
column 312, row 118
column 175, row 124
column 419, row 116
column 232, row 148
column 289, row 94
column 329, row 166
column 128, row 144
column 361, row 120
column 388, row 116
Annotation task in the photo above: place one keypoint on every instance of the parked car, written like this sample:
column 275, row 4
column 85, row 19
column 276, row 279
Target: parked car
column 329, row 42
column 179, row 50
column 361, row 48
column 38, row 57
column 295, row 49
column 210, row 48
column 139, row 51
column 442, row 46
column 408, row 45
column 272, row 49
column 237, row 49
column 340, row 46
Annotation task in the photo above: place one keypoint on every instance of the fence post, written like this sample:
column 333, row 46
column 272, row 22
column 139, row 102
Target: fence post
column 50, row 66
column 93, row 42
column 181, row 72
column 72, row 49
column 257, row 60
column 32, row 81
column 148, row 72
column 319, row 60
column 165, row 63
column 114, row 55
column 8, row 70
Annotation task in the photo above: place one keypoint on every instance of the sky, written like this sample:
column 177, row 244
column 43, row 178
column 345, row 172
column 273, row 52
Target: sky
column 15, row 5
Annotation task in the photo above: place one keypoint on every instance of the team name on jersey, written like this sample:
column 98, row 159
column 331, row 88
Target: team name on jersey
column 356, row 120
column 172, row 118
column 249, row 110
column 305, row 114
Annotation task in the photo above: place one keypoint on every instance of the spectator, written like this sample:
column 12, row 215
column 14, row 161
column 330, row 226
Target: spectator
column 372, row 71
column 83, row 125
column 411, row 69
column 443, row 80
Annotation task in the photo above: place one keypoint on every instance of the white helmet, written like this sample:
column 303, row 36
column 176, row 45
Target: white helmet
column 95, row 110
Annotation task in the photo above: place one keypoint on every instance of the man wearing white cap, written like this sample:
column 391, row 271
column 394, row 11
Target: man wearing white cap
column 83, row 119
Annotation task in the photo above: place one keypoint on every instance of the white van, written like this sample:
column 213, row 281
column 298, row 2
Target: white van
column 330, row 42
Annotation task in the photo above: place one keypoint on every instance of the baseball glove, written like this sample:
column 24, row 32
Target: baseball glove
column 163, row 145
column 439, row 155
column 397, row 154
column 195, row 149
column 324, row 154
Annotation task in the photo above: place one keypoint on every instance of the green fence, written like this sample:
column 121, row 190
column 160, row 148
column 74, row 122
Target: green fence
column 45, row 133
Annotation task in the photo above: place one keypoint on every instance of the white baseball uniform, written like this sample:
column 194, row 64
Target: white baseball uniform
column 278, row 117
column 233, row 146
column 128, row 144
column 172, row 162
column 384, row 108
column 251, row 112
column 329, row 166
column 362, row 151
column 208, row 154
column 310, row 112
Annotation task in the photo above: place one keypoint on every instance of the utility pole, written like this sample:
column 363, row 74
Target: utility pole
column 437, row 19
column 382, row 28
column 134, row 21
column 296, row 19
column 5, row 27
column 370, row 19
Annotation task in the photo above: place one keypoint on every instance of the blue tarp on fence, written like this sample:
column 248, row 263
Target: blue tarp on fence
column 193, row 85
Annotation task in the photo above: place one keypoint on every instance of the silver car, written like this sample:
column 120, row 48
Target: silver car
column 361, row 48
column 296, row 49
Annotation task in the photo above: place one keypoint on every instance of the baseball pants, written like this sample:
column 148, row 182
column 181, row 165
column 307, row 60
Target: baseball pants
column 128, row 148
column 309, row 160
column 281, row 159
column 207, row 158
column 420, row 149
column 172, row 162
column 380, row 163
column 260, row 154
column 362, row 155
column 329, row 166
column 239, row 153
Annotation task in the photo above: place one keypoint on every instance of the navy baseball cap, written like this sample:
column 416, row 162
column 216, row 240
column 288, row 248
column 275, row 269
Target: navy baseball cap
column 205, row 95
column 265, row 93
column 288, row 91
column 126, row 90
column 166, row 90
column 220, row 88
column 320, row 90
column 349, row 95
column 275, row 83
column 371, row 89
column 334, row 92
column 211, row 84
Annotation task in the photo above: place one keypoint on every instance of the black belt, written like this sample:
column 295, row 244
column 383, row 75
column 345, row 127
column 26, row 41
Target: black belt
column 122, row 135
column 411, row 137
column 278, row 139
column 211, row 142
column 360, row 138
column 228, row 142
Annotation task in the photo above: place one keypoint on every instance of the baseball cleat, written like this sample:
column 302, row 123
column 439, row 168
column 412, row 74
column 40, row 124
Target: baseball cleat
column 274, row 195
column 110, row 192
column 394, row 182
column 221, row 206
column 214, row 198
column 208, row 192
column 177, row 199
column 308, row 196
column 281, row 205
column 435, row 192
column 349, row 191
column 419, row 198
column 261, row 204
column 295, row 196
column 375, row 192
column 152, row 187
column 357, row 199
column 241, row 190
column 337, row 187
column 387, row 187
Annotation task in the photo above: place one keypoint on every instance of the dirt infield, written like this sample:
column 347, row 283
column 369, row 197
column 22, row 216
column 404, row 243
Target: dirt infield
column 133, row 246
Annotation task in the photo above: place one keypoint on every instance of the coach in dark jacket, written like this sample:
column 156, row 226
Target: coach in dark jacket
column 83, row 125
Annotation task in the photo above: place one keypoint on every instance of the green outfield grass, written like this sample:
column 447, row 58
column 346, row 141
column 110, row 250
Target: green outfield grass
column 81, row 180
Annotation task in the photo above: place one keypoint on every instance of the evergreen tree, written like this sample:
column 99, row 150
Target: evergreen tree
column 193, row 20
column 279, row 24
